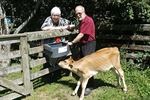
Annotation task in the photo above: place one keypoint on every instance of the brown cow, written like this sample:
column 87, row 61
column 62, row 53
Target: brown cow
column 88, row 66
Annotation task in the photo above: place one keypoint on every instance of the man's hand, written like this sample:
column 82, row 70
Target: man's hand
column 70, row 43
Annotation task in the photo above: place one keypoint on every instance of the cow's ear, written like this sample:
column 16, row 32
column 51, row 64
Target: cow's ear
column 70, row 65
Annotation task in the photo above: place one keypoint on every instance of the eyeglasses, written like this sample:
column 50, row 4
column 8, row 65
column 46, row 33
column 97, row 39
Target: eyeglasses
column 79, row 13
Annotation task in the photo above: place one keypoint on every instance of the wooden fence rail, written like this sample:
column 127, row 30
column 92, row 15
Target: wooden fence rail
column 129, row 37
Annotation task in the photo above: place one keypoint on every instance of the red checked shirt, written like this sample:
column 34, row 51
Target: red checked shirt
column 87, row 27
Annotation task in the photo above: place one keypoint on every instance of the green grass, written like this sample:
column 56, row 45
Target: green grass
column 59, row 85
column 53, row 87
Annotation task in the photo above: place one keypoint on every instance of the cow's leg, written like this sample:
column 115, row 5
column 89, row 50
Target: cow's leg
column 117, row 76
column 84, row 84
column 121, row 73
column 77, row 87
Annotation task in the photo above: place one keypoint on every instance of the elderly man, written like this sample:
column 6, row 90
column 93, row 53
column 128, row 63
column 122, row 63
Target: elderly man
column 86, row 37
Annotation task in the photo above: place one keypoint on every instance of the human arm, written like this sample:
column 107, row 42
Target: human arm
column 69, row 27
column 67, row 24
column 77, row 39
column 52, row 28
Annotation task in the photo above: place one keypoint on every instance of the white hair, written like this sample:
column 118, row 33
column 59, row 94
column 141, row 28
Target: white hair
column 55, row 11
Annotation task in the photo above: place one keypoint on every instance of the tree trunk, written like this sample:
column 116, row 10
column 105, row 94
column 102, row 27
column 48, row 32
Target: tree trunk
column 4, row 29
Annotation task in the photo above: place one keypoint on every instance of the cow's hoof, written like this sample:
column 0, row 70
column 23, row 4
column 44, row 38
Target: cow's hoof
column 73, row 94
column 80, row 99
column 125, row 90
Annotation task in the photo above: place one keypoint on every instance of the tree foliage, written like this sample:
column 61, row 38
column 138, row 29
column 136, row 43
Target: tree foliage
column 102, row 11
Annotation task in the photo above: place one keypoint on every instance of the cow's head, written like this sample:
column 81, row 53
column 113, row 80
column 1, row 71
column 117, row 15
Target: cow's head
column 66, row 64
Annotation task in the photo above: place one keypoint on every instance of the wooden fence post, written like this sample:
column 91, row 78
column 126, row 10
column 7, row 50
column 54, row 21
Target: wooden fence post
column 24, row 50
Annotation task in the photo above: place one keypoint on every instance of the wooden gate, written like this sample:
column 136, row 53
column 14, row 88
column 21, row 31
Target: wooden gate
column 24, row 50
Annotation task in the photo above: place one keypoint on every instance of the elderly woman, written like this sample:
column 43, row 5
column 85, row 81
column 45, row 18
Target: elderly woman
column 55, row 21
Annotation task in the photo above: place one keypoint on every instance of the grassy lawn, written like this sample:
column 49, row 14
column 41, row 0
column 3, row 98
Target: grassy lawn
column 56, row 86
